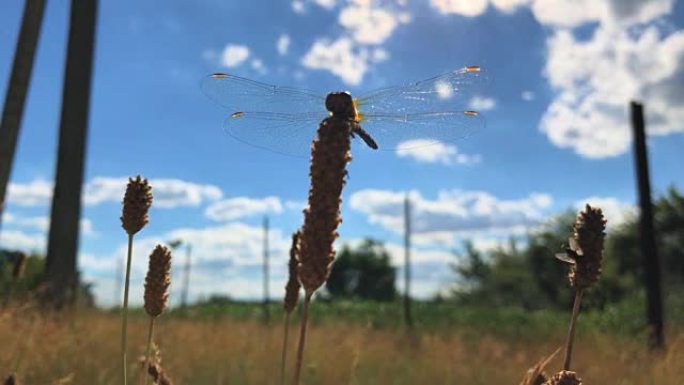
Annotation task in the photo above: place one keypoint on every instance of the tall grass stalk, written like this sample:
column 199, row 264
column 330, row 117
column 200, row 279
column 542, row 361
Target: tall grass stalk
column 283, row 355
column 124, row 310
column 302, row 338
column 571, row 329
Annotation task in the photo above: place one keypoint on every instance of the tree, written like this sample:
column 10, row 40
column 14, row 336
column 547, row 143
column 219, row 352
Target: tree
column 531, row 277
column 364, row 273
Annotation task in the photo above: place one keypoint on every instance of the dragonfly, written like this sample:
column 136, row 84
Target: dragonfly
column 284, row 119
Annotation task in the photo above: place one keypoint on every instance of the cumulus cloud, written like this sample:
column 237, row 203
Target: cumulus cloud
column 468, row 8
column 429, row 151
column 342, row 58
column 482, row 103
column 223, row 256
column 240, row 207
column 451, row 213
column 611, row 13
column 283, row 44
column 527, row 96
column 370, row 25
column 35, row 193
column 596, row 78
column 16, row 239
column 234, row 55
column 168, row 193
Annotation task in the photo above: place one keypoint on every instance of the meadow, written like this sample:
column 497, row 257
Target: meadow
column 349, row 343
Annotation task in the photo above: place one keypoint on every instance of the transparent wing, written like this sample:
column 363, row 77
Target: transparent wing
column 451, row 91
column 406, row 131
column 284, row 133
column 240, row 94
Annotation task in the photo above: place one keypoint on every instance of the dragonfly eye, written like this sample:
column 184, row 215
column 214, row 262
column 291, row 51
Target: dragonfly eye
column 340, row 104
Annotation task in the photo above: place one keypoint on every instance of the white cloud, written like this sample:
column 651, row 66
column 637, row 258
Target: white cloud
column 468, row 8
column 616, row 211
column 451, row 213
column 298, row 6
column 596, row 78
column 283, row 44
column 327, row 4
column 234, row 55
column 342, row 58
column 611, row 13
column 482, row 103
column 167, row 193
column 35, row 193
column 527, row 96
column 240, row 207
column 14, row 239
column 370, row 25
column 429, row 151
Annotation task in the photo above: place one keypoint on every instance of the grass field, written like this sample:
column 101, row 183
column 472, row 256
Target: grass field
column 348, row 344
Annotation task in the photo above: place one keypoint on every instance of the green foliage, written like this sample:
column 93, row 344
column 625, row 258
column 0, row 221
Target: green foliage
column 363, row 273
column 28, row 286
column 530, row 277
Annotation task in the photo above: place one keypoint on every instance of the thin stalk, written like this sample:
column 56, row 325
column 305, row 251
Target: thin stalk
column 146, row 367
column 283, row 357
column 124, row 317
column 302, row 337
column 571, row 330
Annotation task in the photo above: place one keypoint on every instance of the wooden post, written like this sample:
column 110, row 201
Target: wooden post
column 651, row 262
column 60, row 269
column 186, row 276
column 266, row 278
column 408, row 320
column 17, row 90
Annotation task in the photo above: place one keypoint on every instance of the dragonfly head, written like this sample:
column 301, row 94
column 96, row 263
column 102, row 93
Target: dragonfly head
column 340, row 104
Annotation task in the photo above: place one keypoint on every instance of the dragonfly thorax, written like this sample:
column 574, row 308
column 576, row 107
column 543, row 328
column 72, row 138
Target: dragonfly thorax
column 341, row 105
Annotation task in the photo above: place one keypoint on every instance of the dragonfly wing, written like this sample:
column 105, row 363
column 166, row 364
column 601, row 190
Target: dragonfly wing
column 451, row 91
column 284, row 133
column 241, row 94
column 404, row 131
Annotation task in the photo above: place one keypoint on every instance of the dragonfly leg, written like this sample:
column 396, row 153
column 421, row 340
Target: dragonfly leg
column 363, row 134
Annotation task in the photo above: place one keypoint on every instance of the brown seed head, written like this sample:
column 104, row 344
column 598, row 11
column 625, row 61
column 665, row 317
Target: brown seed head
column 19, row 265
column 293, row 285
column 588, row 248
column 329, row 157
column 11, row 380
column 157, row 281
column 137, row 201
column 564, row 377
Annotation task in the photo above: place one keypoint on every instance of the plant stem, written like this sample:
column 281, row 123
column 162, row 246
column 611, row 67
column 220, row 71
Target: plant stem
column 124, row 317
column 283, row 357
column 571, row 330
column 146, row 367
column 302, row 337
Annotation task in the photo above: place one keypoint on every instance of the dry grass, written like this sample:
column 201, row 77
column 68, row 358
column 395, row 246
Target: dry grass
column 84, row 348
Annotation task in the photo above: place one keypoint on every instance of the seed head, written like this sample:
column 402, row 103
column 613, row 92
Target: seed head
column 587, row 248
column 19, row 265
column 137, row 201
column 564, row 377
column 157, row 281
column 329, row 157
column 293, row 285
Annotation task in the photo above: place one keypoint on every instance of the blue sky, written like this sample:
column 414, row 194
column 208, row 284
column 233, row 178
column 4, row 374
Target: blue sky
column 559, row 76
